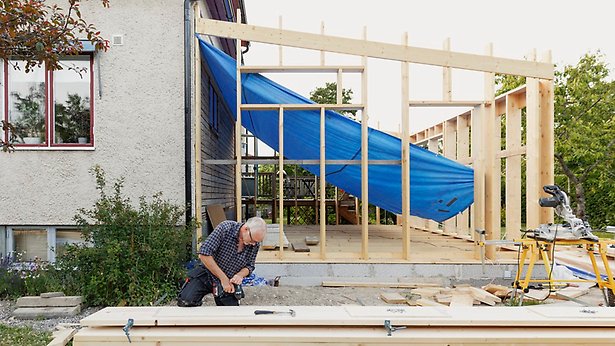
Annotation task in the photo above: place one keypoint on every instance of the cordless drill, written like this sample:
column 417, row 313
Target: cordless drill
column 219, row 291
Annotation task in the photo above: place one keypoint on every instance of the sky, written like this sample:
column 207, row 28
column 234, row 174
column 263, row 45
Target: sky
column 569, row 29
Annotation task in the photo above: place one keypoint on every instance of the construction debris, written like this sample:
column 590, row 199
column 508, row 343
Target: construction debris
column 50, row 305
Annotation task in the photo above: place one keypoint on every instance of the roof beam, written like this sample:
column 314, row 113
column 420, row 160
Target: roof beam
column 388, row 51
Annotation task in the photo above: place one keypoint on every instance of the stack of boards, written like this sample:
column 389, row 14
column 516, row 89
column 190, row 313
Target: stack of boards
column 348, row 325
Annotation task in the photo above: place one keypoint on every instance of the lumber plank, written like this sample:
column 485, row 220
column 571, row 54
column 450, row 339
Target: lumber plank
column 216, row 214
column 343, row 336
column 62, row 337
column 375, row 284
column 462, row 300
column 392, row 298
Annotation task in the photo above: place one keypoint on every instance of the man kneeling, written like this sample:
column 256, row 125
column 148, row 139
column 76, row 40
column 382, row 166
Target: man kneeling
column 227, row 256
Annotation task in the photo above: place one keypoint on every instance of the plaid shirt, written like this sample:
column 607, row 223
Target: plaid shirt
column 222, row 246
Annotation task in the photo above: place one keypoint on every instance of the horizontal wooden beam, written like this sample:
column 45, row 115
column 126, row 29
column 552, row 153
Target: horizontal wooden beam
column 435, row 57
column 307, row 106
column 446, row 103
column 511, row 152
column 299, row 162
column 302, row 69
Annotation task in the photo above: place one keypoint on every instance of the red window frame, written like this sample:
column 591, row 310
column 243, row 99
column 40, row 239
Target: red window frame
column 50, row 111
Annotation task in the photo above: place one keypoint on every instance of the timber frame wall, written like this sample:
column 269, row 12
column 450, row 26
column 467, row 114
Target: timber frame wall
column 471, row 138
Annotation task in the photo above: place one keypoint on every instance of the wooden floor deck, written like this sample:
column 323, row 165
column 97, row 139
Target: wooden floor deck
column 385, row 245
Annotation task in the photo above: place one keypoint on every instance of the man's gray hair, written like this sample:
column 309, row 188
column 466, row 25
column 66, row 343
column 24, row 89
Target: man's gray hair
column 256, row 224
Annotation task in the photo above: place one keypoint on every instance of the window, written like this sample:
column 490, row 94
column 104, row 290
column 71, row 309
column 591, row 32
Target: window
column 30, row 244
column 65, row 237
column 50, row 108
column 213, row 108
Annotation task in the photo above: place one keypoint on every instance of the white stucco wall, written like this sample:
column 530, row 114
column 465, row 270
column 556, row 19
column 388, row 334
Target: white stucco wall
column 139, row 122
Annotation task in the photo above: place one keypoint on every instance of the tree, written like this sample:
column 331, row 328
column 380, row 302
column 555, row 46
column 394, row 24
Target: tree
column 584, row 133
column 39, row 33
column 585, row 126
column 328, row 95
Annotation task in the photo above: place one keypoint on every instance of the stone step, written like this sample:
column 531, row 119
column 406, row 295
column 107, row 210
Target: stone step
column 35, row 301
column 52, row 294
column 52, row 312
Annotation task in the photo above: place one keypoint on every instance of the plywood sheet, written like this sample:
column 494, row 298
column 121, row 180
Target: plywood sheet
column 260, row 335
column 354, row 316
column 216, row 214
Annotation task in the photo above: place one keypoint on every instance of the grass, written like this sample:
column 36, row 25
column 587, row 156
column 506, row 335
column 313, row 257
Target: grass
column 25, row 336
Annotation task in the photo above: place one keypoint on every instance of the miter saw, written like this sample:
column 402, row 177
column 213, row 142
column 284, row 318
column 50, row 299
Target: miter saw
column 573, row 228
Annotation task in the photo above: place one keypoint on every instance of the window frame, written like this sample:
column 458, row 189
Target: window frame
column 50, row 121
column 214, row 117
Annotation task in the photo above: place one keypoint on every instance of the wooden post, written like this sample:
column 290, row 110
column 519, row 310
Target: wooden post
column 533, row 151
column 513, row 168
column 492, row 171
column 405, row 154
column 322, row 52
column 545, row 90
column 478, row 162
column 447, row 83
column 280, row 47
column 432, row 145
column 238, row 126
column 323, row 214
column 463, row 153
column 281, row 178
column 364, row 157
column 198, row 203
column 450, row 150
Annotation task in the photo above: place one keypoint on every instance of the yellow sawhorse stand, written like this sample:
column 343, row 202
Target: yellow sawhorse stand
column 538, row 249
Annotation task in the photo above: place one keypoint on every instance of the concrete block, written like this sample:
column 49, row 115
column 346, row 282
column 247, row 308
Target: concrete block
column 52, row 294
column 48, row 302
column 50, row 312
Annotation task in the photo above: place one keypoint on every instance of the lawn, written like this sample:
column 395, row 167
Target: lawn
column 23, row 336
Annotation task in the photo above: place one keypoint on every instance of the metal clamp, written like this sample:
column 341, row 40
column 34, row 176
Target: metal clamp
column 390, row 329
column 127, row 327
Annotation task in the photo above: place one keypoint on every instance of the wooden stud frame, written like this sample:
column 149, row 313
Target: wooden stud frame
column 472, row 138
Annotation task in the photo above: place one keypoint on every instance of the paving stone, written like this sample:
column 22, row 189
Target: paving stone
column 52, row 312
column 52, row 294
column 35, row 301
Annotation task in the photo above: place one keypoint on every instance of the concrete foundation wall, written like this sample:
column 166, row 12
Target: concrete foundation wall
column 313, row 274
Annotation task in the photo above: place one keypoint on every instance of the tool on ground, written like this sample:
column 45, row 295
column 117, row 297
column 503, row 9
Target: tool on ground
column 127, row 327
column 572, row 228
column 291, row 312
column 390, row 329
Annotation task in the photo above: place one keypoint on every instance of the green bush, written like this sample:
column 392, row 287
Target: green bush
column 26, row 278
column 133, row 256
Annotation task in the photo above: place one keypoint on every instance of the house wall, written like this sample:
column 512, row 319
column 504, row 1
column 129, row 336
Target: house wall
column 138, row 119
column 218, row 181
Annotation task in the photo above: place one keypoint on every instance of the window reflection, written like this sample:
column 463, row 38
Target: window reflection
column 71, row 91
column 27, row 103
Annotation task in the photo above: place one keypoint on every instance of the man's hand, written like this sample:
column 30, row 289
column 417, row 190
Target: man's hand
column 237, row 279
column 228, row 286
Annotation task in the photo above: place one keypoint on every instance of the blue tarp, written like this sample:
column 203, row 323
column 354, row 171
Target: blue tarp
column 439, row 188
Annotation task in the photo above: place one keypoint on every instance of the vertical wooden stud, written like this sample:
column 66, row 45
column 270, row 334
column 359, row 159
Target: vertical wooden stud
column 322, row 52
column 405, row 154
column 463, row 153
column 447, row 83
column 364, row 158
column 533, row 151
column 450, row 151
column 280, row 47
column 513, row 168
column 492, row 171
column 281, row 178
column 323, row 214
column 545, row 90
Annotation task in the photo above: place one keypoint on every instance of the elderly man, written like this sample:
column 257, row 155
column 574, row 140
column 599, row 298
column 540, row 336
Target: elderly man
column 227, row 257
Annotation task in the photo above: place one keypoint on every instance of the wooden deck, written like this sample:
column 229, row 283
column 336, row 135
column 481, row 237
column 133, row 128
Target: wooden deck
column 385, row 245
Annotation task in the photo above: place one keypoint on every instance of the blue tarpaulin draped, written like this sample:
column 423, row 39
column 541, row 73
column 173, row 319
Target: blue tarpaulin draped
column 439, row 188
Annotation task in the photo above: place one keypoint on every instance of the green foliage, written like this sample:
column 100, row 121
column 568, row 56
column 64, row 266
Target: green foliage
column 507, row 83
column 585, row 135
column 328, row 95
column 133, row 255
column 39, row 32
column 26, row 278
column 23, row 336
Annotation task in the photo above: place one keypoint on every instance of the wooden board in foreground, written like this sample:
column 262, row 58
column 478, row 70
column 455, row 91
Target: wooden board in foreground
column 270, row 335
column 332, row 316
column 375, row 284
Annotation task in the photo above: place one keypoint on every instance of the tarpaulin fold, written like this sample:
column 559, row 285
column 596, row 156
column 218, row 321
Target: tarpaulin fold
column 439, row 188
